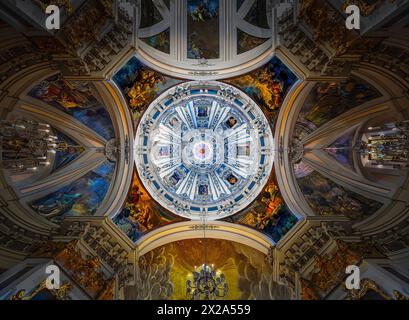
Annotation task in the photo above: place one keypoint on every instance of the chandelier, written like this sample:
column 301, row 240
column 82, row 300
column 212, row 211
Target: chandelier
column 387, row 147
column 25, row 145
column 206, row 283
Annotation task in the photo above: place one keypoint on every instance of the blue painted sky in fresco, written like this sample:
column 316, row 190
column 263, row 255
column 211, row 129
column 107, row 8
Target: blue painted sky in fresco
column 64, row 157
column 79, row 198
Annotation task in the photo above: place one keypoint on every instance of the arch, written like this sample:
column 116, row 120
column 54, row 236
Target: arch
column 229, row 62
column 194, row 230
column 111, row 98
column 389, row 197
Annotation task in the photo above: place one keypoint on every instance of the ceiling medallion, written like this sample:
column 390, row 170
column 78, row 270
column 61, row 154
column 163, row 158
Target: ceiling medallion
column 204, row 148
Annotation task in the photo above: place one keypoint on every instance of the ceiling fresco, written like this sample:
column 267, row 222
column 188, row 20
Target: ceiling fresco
column 327, row 103
column 328, row 100
column 204, row 150
column 83, row 192
column 79, row 198
column 329, row 198
column 141, row 213
column 247, row 271
column 69, row 151
column 202, row 19
column 77, row 99
column 342, row 149
column 141, row 85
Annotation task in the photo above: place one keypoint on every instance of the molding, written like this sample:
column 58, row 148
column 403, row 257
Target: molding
column 214, row 229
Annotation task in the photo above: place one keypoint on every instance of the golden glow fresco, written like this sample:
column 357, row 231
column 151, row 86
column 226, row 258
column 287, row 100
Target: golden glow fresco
column 247, row 271
column 270, row 90
column 140, row 213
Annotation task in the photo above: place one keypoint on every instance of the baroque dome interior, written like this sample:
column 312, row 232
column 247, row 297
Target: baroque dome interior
column 209, row 148
column 146, row 144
